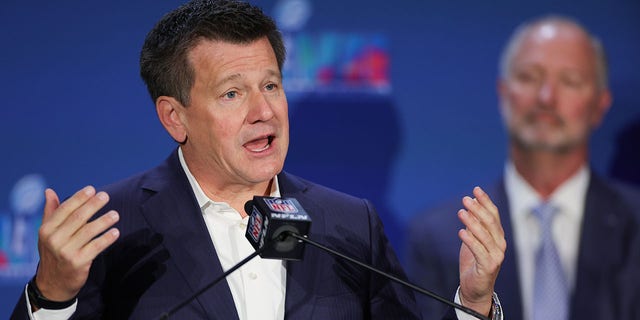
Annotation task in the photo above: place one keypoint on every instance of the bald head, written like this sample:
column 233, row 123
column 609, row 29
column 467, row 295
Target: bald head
column 555, row 28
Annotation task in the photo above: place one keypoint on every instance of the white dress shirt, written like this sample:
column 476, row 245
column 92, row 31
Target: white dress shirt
column 258, row 287
column 569, row 198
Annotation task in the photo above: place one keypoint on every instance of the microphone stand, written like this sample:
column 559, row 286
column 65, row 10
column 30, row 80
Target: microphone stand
column 281, row 237
column 179, row 306
column 389, row 276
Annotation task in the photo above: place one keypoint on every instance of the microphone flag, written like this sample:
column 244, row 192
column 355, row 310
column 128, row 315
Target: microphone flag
column 269, row 218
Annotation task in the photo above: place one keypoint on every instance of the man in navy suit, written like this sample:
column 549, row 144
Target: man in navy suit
column 213, row 69
column 553, row 93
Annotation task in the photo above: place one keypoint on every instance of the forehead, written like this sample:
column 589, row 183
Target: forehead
column 556, row 44
column 216, row 56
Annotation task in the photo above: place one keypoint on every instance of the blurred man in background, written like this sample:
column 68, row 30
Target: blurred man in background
column 572, row 235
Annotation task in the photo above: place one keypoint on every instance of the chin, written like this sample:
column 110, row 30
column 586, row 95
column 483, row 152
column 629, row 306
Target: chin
column 267, row 172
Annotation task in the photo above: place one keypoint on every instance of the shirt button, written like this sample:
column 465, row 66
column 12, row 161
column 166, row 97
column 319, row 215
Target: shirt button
column 253, row 276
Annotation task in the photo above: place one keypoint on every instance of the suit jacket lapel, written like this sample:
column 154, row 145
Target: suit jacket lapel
column 173, row 212
column 301, row 280
column 606, row 229
column 508, row 279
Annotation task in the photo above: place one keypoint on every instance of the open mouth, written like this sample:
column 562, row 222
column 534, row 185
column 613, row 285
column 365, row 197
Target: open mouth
column 260, row 144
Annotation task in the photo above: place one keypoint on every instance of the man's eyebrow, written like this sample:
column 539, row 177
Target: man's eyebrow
column 275, row 73
column 229, row 78
column 236, row 76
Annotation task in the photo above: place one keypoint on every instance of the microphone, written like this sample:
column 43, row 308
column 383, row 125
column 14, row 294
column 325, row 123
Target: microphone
column 269, row 219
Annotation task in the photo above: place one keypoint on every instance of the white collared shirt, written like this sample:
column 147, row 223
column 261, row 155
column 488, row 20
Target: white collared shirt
column 569, row 198
column 258, row 287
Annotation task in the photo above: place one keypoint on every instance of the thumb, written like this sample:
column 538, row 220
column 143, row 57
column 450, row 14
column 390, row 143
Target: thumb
column 52, row 202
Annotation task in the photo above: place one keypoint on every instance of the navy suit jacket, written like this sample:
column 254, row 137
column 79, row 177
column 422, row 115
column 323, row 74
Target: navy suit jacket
column 165, row 254
column 608, row 267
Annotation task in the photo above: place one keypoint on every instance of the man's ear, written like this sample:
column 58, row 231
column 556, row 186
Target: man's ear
column 603, row 106
column 502, row 93
column 169, row 110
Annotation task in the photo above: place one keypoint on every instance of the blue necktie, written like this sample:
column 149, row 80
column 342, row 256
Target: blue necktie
column 551, row 290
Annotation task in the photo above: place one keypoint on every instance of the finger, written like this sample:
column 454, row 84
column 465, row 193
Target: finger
column 484, row 245
column 478, row 251
column 485, row 201
column 63, row 236
column 488, row 261
column 92, row 229
column 487, row 213
column 99, row 244
column 476, row 228
column 82, row 214
column 479, row 211
column 70, row 205
column 52, row 202
column 495, row 228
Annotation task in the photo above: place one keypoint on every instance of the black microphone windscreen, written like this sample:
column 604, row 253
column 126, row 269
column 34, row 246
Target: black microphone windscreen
column 270, row 220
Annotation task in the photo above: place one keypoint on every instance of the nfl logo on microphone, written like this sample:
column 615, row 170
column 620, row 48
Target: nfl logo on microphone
column 255, row 225
column 281, row 205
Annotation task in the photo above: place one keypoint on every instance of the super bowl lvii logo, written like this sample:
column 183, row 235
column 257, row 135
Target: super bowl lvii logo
column 19, row 228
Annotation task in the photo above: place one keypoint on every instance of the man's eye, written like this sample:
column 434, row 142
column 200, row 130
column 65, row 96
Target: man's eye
column 527, row 77
column 270, row 87
column 230, row 94
column 572, row 81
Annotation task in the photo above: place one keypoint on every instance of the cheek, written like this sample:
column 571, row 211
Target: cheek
column 577, row 108
column 521, row 96
column 282, row 114
column 516, row 106
column 285, row 121
column 222, row 135
column 281, row 108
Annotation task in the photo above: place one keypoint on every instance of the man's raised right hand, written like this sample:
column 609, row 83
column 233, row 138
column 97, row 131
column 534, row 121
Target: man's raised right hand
column 68, row 243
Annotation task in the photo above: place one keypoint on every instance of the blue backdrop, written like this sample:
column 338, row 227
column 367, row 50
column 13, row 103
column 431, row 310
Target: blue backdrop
column 390, row 100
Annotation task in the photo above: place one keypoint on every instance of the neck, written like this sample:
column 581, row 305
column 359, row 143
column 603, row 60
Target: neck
column 546, row 170
column 237, row 195
column 222, row 188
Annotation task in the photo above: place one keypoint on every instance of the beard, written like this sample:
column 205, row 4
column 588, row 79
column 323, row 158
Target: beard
column 545, row 131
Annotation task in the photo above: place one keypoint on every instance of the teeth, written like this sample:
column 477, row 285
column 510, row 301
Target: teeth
column 262, row 149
